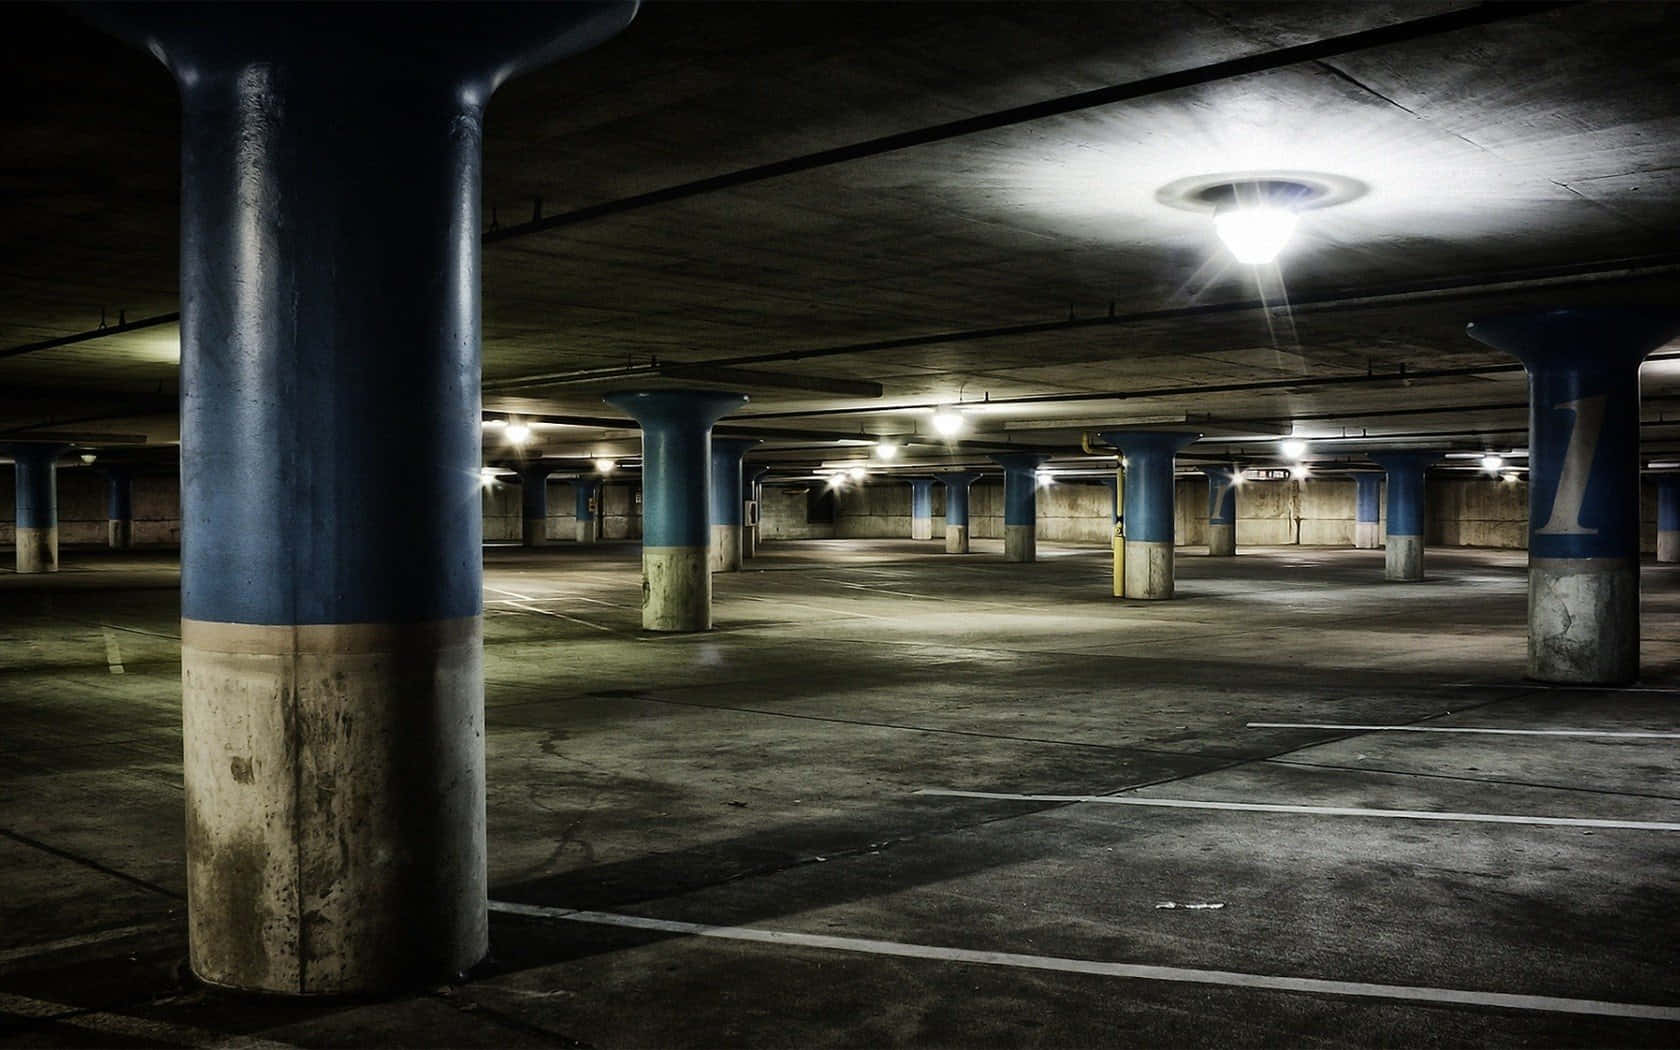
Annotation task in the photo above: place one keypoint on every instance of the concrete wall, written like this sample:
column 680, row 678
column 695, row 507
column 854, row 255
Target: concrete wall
column 155, row 500
column 782, row 515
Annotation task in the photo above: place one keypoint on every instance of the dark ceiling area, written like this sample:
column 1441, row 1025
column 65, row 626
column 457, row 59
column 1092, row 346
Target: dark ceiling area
column 860, row 213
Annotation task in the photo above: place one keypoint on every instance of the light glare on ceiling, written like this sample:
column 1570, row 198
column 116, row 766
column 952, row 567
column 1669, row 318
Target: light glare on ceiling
column 858, row 473
column 517, row 433
column 606, row 466
column 1255, row 235
column 947, row 421
column 1492, row 463
column 1293, row 448
column 885, row 450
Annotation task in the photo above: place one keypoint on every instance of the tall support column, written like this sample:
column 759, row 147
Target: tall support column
column 676, row 496
column 1148, row 508
column 1367, row 510
column 956, row 509
column 1403, row 559
column 752, row 479
column 1020, row 504
column 533, row 501
column 36, row 524
column 586, row 504
column 1583, row 483
column 921, row 508
column 332, row 684
column 119, row 508
column 1668, row 518
column 1222, row 510
column 727, row 501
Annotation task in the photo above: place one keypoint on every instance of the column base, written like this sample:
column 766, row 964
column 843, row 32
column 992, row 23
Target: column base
column 749, row 542
column 725, row 548
column 534, row 532
column 586, row 531
column 1149, row 570
column 676, row 589
column 1222, row 541
column 1020, row 543
column 37, row 550
column 1668, row 546
column 956, row 539
column 1367, row 535
column 119, row 534
column 335, row 804
column 921, row 528
column 1404, row 560
column 1583, row 620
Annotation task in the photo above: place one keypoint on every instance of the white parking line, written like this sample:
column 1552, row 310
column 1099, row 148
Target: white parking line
column 113, row 655
column 34, row 951
column 1467, row 729
column 1135, row 971
column 1316, row 811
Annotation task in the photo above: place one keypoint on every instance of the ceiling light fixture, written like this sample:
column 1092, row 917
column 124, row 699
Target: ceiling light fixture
column 948, row 421
column 1293, row 448
column 1300, row 472
column 606, row 466
column 89, row 457
column 885, row 450
column 1492, row 463
column 1255, row 234
column 487, row 476
column 857, row 473
column 517, row 433
column 1510, row 477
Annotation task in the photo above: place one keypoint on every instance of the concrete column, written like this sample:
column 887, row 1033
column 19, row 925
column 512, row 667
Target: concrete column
column 586, row 497
column 332, row 685
column 533, row 501
column 1583, row 483
column 36, row 525
column 119, row 508
column 1403, row 561
column 1222, row 510
column 1147, row 559
column 1020, row 504
column 956, row 509
column 1668, row 518
column 676, row 496
column 1367, row 510
column 752, row 520
column 921, row 508
column 726, row 502
column 1116, row 485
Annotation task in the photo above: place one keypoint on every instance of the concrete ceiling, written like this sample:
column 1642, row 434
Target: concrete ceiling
column 959, row 203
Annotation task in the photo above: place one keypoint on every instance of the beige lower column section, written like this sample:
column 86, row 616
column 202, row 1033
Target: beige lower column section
column 37, row 550
column 726, row 548
column 921, row 528
column 1020, row 543
column 1222, row 541
column 956, row 539
column 1403, row 560
column 335, row 804
column 1583, row 620
column 1367, row 535
column 676, row 589
column 1149, row 569
column 1668, row 546
column 586, row 530
column 119, row 533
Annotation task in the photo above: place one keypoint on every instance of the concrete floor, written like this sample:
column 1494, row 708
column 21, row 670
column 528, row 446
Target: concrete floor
column 766, row 775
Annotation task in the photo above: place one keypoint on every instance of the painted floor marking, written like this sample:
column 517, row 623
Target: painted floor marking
column 1318, row 811
column 1560, row 687
column 520, row 602
column 1466, row 729
column 813, row 608
column 33, row 951
column 107, row 1023
column 1135, row 971
column 113, row 655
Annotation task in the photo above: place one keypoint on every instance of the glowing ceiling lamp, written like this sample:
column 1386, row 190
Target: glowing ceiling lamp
column 517, row 433
column 605, row 466
column 885, row 450
column 1293, row 448
column 1492, row 464
column 857, row 473
column 1254, row 233
column 948, row 421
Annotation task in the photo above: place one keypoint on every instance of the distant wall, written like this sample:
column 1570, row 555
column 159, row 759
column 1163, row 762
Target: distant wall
column 1315, row 511
column 621, row 512
column 155, row 501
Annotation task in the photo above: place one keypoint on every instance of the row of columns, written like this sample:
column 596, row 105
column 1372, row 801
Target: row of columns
column 533, row 499
column 35, row 483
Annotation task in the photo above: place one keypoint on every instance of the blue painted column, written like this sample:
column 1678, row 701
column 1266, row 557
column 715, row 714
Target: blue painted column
column 921, row 508
column 1146, row 568
column 119, row 508
column 1112, row 483
column 586, row 503
column 1668, row 518
column 1367, row 510
column 727, row 501
column 533, row 501
column 1403, row 559
column 1222, row 510
column 1583, row 483
column 331, row 637
column 1020, row 504
column 956, row 509
column 753, row 480
column 35, row 469
column 676, row 497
